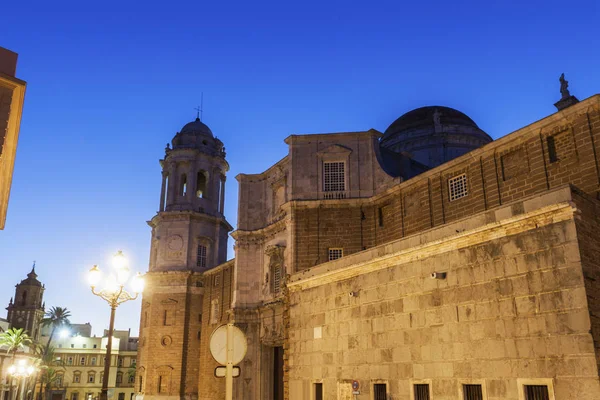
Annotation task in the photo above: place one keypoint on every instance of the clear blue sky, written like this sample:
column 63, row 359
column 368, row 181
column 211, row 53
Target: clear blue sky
column 109, row 84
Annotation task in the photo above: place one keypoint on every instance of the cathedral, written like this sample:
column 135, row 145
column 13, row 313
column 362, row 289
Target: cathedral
column 425, row 262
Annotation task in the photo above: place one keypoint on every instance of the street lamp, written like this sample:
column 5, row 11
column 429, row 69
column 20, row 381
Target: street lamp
column 21, row 370
column 114, row 293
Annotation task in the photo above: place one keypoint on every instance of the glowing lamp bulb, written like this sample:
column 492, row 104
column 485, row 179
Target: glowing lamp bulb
column 64, row 333
column 137, row 283
column 119, row 260
column 94, row 276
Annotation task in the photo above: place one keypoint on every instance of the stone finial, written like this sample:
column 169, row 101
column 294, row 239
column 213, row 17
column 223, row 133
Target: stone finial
column 566, row 99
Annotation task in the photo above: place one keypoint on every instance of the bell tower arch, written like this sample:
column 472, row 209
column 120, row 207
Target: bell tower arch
column 189, row 237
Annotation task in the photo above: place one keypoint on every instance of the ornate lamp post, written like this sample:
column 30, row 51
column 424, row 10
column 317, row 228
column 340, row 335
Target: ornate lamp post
column 114, row 293
column 21, row 370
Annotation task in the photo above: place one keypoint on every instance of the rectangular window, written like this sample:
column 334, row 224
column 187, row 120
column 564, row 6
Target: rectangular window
column 74, row 395
column 276, row 279
column 133, row 362
column 141, row 384
column 318, row 391
column 95, row 346
column 70, row 361
column 536, row 392
column 380, row 216
column 131, row 379
column 472, row 392
column 91, row 378
column 380, row 391
column 121, row 396
column 85, row 346
column 160, row 380
column 333, row 177
column 120, row 362
column 82, row 361
column 335, row 253
column 76, row 378
column 458, row 187
column 72, row 346
column 201, row 256
column 93, row 362
column 552, row 156
column 421, row 391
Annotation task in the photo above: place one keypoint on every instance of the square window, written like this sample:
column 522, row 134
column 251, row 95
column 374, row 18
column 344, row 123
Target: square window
column 380, row 391
column 334, row 177
column 536, row 392
column 472, row 392
column 335, row 253
column 457, row 187
column 421, row 391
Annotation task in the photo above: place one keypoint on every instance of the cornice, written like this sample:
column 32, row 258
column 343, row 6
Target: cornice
column 259, row 235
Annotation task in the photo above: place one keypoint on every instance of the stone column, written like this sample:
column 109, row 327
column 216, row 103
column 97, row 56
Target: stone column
column 162, row 191
column 172, row 189
column 222, row 199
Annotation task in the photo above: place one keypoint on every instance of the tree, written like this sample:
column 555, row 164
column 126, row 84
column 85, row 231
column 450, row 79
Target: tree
column 49, row 367
column 57, row 317
column 15, row 339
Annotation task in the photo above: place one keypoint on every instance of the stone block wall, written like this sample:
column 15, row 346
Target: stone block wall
column 215, row 311
column 512, row 309
column 168, row 362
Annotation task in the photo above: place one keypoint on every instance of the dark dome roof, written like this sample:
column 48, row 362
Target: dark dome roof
column 423, row 118
column 197, row 127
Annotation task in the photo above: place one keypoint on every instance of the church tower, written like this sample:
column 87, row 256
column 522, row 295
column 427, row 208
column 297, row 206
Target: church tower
column 189, row 236
column 26, row 310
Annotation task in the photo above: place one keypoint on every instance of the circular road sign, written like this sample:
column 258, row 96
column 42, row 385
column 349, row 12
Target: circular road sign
column 218, row 344
column 355, row 385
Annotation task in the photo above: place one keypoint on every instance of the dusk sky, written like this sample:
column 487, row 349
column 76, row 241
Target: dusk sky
column 110, row 83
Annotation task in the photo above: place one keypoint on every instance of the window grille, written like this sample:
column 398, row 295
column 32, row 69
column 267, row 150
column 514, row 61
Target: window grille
column 472, row 392
column 201, row 256
column 217, row 280
column 421, row 391
column 458, row 187
column 536, row 392
column 334, row 254
column 333, row 177
column 318, row 391
column 380, row 391
column 276, row 278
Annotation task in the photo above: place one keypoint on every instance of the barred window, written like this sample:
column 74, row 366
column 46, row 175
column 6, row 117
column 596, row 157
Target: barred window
column 457, row 187
column 472, row 392
column 333, row 177
column 536, row 392
column 201, row 256
column 421, row 391
column 380, row 391
column 335, row 253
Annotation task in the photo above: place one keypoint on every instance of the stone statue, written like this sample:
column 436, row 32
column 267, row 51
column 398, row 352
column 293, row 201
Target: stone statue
column 167, row 148
column 436, row 120
column 564, row 84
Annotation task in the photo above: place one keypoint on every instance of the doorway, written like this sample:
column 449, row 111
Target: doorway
column 278, row 373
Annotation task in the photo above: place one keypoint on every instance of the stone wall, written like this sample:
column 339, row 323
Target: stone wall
column 512, row 307
column 168, row 363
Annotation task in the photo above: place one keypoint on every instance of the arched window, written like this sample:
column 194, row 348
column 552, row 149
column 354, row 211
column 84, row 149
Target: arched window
column 201, row 184
column 183, row 185
column 24, row 297
column 119, row 378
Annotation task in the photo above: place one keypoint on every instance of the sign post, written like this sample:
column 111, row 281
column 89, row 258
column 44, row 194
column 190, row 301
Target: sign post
column 228, row 347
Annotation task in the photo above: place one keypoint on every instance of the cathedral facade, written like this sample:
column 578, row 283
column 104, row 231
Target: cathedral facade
column 425, row 262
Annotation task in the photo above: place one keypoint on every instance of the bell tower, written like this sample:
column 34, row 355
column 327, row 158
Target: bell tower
column 189, row 236
column 26, row 310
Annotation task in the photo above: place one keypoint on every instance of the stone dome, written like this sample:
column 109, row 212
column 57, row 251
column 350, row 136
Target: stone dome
column 433, row 135
column 196, row 127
